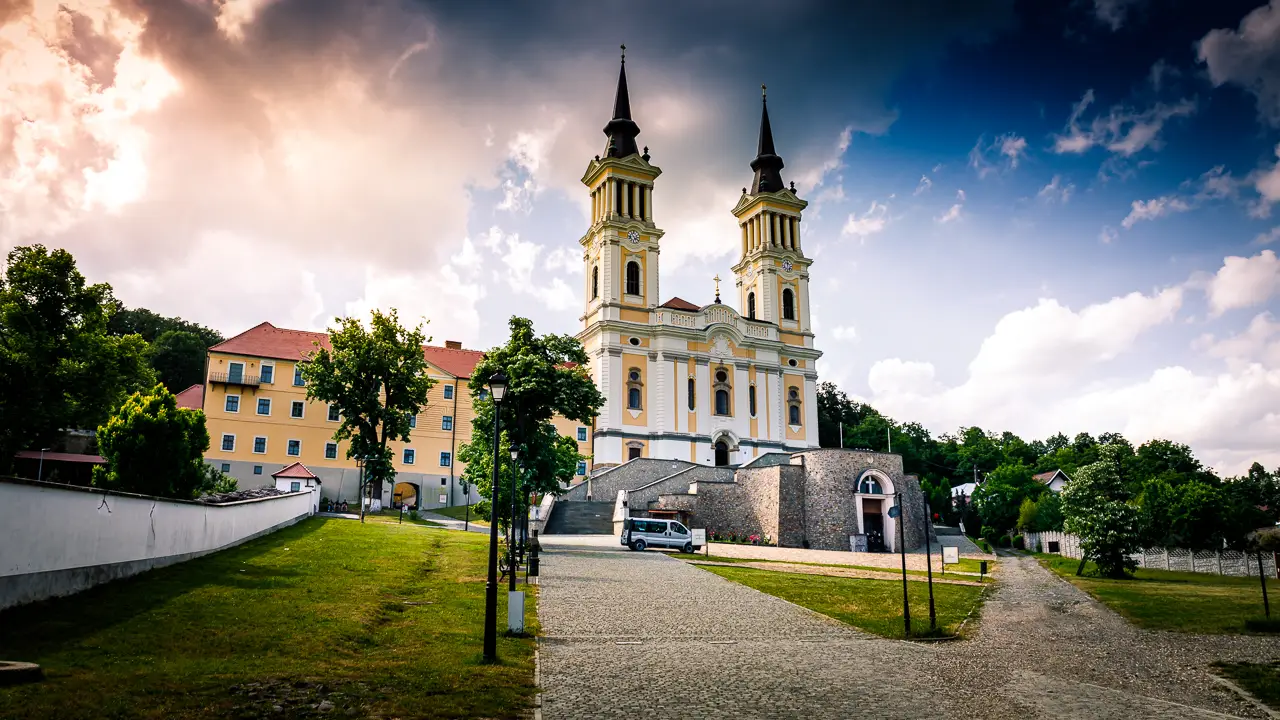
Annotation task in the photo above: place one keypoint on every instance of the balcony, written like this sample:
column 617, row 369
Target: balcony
column 234, row 379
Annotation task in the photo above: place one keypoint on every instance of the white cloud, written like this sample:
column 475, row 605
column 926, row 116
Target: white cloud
column 564, row 258
column 1160, row 70
column 1006, row 149
column 1259, row 342
column 960, row 196
column 1123, row 131
column 844, row 332
column 1013, row 147
column 1268, row 237
column 1266, row 181
column 869, row 223
column 1113, row 13
column 953, row 213
column 924, row 184
column 1249, row 57
column 815, row 177
column 1108, row 235
column 1154, row 208
column 1056, row 191
column 1243, row 282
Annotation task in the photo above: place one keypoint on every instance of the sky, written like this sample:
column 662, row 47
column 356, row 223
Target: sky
column 1026, row 216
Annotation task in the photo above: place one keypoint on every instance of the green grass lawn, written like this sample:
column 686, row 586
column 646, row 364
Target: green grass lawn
column 719, row 558
column 381, row 618
column 1163, row 600
column 394, row 517
column 1262, row 680
column 872, row 605
column 459, row 512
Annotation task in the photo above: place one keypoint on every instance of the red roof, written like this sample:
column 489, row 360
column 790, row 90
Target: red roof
column 268, row 341
column 676, row 303
column 296, row 470
column 60, row 457
column 192, row 398
column 1046, row 477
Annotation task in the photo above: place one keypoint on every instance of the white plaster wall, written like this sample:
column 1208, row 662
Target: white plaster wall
column 811, row 412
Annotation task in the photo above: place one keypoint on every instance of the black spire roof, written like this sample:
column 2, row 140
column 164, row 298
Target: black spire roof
column 767, row 165
column 621, row 130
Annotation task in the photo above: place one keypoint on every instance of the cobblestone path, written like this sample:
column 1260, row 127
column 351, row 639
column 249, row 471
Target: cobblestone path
column 643, row 635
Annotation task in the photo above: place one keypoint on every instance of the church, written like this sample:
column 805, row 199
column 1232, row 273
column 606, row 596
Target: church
column 713, row 384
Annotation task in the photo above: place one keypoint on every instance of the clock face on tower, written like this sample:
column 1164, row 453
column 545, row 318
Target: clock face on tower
column 786, row 265
column 634, row 237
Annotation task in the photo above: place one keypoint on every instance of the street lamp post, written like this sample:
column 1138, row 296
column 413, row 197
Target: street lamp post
column 511, row 525
column 497, row 388
column 40, row 471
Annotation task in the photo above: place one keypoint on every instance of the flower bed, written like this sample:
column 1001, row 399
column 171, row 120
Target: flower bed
column 737, row 538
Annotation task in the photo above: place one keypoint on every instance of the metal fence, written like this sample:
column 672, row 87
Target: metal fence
column 1223, row 562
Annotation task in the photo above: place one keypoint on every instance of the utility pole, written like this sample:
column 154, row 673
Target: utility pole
column 902, row 549
column 889, row 439
column 928, row 563
column 841, row 434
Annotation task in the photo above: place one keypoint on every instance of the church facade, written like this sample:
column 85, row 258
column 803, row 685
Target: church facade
column 714, row 384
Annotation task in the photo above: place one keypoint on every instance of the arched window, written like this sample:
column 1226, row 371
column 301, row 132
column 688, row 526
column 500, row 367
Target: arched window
column 751, row 305
column 633, row 398
column 751, row 399
column 722, row 402
column 720, row 392
column 795, row 414
column 788, row 304
column 870, row 486
column 633, row 390
column 793, row 406
column 722, row 453
column 633, row 278
column 595, row 282
column 693, row 396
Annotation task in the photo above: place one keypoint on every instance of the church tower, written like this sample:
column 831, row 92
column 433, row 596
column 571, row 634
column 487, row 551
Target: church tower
column 620, row 248
column 772, row 272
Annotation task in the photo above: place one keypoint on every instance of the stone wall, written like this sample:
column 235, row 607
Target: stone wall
column 754, row 503
column 680, row 502
column 604, row 486
column 830, row 509
column 639, row 498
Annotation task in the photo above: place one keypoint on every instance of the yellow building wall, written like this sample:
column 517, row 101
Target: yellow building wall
column 569, row 429
column 636, row 316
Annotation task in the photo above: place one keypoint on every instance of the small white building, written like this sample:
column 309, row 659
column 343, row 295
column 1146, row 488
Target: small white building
column 1054, row 480
column 297, row 478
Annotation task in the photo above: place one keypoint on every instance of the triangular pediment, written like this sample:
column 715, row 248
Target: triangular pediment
column 634, row 163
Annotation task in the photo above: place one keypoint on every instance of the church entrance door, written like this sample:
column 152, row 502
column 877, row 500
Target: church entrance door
column 873, row 525
column 722, row 453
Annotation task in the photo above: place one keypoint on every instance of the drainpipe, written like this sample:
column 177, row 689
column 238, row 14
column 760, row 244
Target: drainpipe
column 453, row 442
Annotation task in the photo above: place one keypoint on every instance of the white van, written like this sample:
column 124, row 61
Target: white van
column 641, row 533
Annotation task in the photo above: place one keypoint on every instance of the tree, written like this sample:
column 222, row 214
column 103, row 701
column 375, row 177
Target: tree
column 178, row 359
column 58, row 367
column 1000, row 497
column 1048, row 513
column 1095, row 508
column 153, row 447
column 149, row 325
column 546, row 376
column 1027, row 515
column 377, row 379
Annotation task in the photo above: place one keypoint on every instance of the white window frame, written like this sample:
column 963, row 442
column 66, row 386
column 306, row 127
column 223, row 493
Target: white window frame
column 446, row 458
column 333, row 445
column 329, row 415
column 242, row 365
column 448, row 392
column 298, row 380
column 298, row 403
column 228, row 397
column 409, row 456
column 288, row 444
column 446, row 422
column 259, row 407
column 222, row 442
column 264, row 440
column 264, row 366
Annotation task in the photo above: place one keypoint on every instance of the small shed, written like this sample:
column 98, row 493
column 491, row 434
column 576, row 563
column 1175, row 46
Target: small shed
column 297, row 478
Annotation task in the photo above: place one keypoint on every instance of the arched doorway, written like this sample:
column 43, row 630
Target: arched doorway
column 722, row 453
column 406, row 494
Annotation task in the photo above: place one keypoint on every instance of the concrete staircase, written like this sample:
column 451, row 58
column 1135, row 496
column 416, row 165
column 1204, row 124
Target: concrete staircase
column 581, row 518
column 952, row 536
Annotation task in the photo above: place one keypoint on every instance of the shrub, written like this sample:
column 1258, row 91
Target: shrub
column 481, row 510
column 413, row 514
column 153, row 447
column 989, row 532
column 1003, row 541
column 1039, row 547
column 1019, row 542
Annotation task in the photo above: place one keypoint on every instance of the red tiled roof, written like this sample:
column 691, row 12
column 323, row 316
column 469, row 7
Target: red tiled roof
column 268, row 341
column 676, row 303
column 296, row 470
column 60, row 457
column 192, row 398
column 1046, row 477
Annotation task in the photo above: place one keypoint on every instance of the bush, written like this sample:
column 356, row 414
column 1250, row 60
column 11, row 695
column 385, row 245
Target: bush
column 989, row 532
column 413, row 514
column 1019, row 542
column 1004, row 541
column 986, row 546
column 153, row 447
column 481, row 510
column 216, row 482
column 1039, row 547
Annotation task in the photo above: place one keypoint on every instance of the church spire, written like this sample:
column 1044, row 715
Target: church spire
column 767, row 165
column 621, row 130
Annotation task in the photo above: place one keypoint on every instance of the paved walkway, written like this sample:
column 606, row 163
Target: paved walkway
column 451, row 523
column 641, row 634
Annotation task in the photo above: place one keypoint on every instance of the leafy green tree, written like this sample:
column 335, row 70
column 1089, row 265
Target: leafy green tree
column 377, row 378
column 150, row 325
column 1173, row 461
column 546, row 376
column 1027, row 515
column 153, row 447
column 1199, row 516
column 178, row 359
column 1155, row 513
column 58, row 367
column 999, row 498
column 1096, row 508
column 1252, row 502
column 1048, row 513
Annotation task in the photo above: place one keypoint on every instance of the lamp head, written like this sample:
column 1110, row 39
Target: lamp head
column 498, row 386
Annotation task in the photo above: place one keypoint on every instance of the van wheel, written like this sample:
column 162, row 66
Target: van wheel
column 639, row 545
column 688, row 548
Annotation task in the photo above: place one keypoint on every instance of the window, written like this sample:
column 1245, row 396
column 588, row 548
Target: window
column 446, row 422
column 331, row 451
column 722, row 402
column 870, row 486
column 413, row 420
column 446, row 459
column 268, row 373
column 297, row 375
column 795, row 414
column 633, row 278
column 788, row 304
column 235, row 372
column 595, row 282
column 264, row 406
column 484, row 393
column 722, row 376
column 295, row 448
column 582, row 434
column 295, row 486
column 582, row 467
column 751, row 399
column 296, row 408
column 334, row 415
column 257, row 469
column 448, row 392
column 409, row 456
column 260, row 445
column 226, row 467
column 751, row 305
column 692, row 396
column 633, row 398
column 228, row 442
column 633, row 389
column 233, row 404
column 678, row 529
